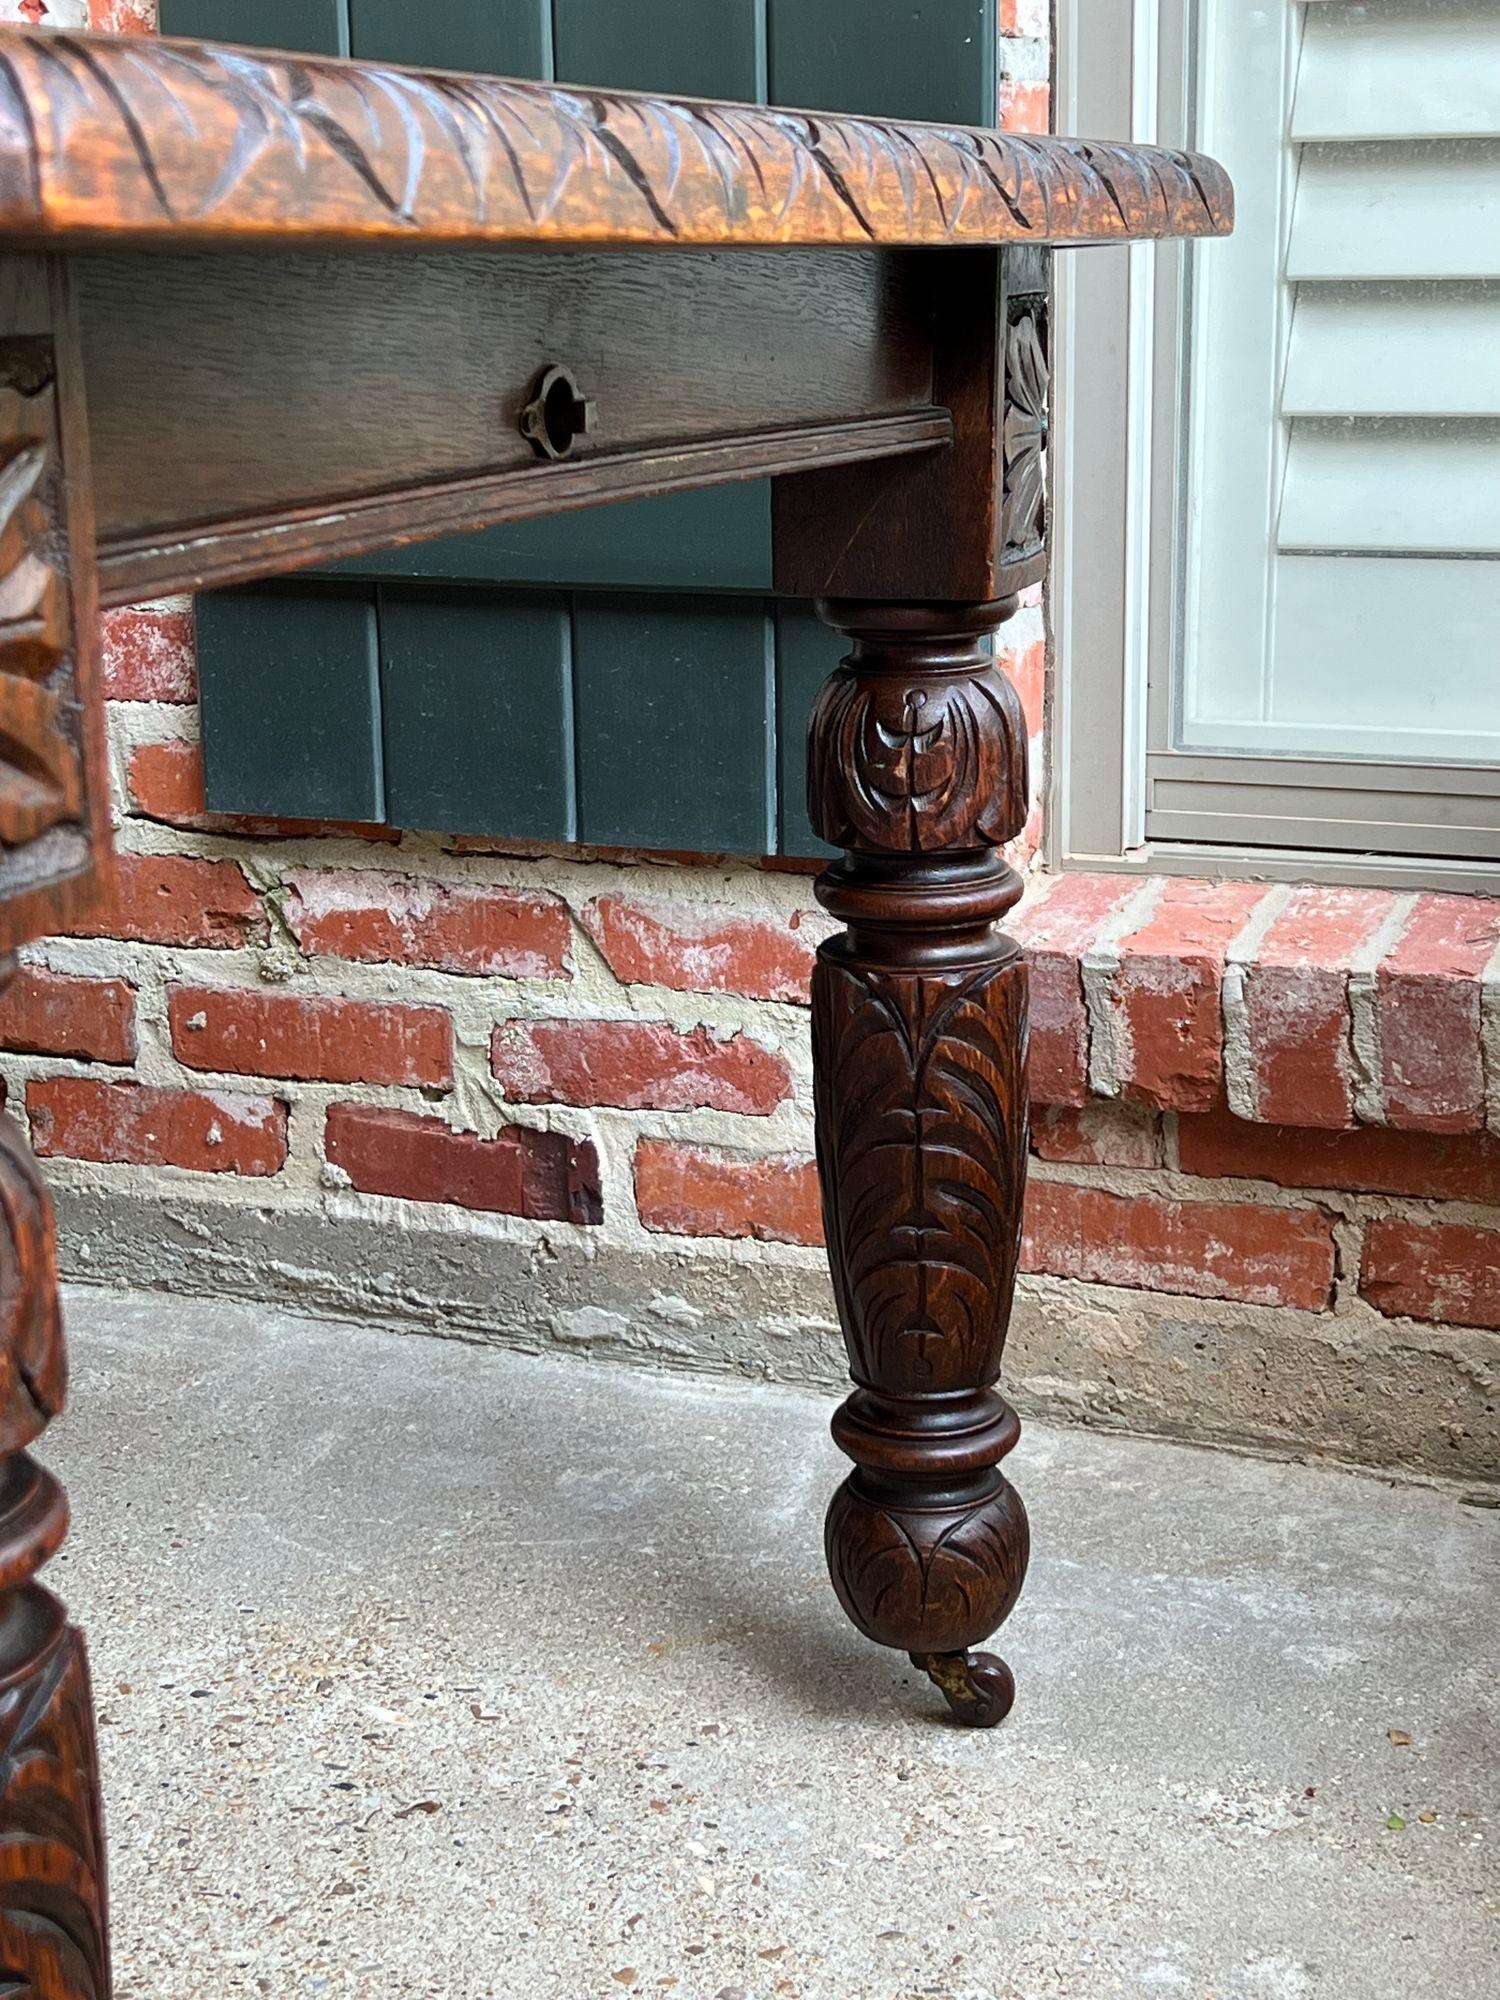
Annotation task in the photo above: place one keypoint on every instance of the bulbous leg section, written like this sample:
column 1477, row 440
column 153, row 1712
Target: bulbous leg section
column 933, row 1580
column 979, row 1688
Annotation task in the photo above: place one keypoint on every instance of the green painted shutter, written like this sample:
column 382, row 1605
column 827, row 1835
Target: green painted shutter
column 677, row 48
column 495, row 37
column 478, row 712
column 526, row 686
column 291, row 701
column 890, row 58
column 321, row 27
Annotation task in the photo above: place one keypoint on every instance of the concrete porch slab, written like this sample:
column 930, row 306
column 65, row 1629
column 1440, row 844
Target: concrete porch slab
column 435, row 1670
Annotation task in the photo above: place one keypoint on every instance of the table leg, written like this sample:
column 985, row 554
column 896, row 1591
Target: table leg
column 53, row 1929
column 54, row 841
column 917, row 768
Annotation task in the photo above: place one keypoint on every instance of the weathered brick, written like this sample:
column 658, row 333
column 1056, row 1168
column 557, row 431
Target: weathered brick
column 1167, row 994
column 1029, row 18
column 699, row 1191
column 447, row 926
column 317, row 1038
column 1447, row 1272
column 692, row 949
column 1206, row 1249
column 1297, row 1005
column 46, row 13
column 1026, row 846
column 209, row 1132
column 1101, row 1134
column 1370, row 1160
column 636, row 1066
column 1056, row 931
column 1427, row 996
column 1026, row 668
column 147, row 653
column 177, row 899
column 545, row 1176
column 46, row 1013
column 166, row 783
column 1025, row 107
column 123, row 17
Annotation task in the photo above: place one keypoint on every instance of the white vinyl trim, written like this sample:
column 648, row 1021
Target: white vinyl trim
column 1343, row 693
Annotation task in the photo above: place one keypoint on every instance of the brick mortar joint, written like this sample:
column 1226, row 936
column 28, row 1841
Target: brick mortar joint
column 1364, row 1013
column 1242, row 1316
column 1489, row 1038
column 1238, row 1048
column 1108, row 1031
column 1352, row 1205
column 1166, row 1184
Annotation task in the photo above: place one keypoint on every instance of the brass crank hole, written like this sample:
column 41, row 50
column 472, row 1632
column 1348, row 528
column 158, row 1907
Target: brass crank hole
column 557, row 415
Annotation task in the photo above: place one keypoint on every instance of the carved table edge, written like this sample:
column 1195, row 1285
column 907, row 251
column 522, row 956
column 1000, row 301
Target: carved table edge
column 122, row 138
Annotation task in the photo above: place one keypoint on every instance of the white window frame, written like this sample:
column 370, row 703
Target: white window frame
column 1120, row 796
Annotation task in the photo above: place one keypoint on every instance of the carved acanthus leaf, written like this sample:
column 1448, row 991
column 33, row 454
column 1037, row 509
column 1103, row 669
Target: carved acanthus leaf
column 921, row 1119
column 1023, row 530
column 914, row 1578
column 41, row 775
column 52, row 1938
column 905, row 765
column 33, row 1369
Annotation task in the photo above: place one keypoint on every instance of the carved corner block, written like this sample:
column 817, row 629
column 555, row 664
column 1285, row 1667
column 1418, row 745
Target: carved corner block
column 54, row 815
column 1025, row 422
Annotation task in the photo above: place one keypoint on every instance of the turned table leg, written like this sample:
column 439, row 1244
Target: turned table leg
column 917, row 768
column 53, row 1929
column 54, row 845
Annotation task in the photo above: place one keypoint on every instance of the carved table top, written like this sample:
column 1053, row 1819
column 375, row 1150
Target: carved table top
column 106, row 138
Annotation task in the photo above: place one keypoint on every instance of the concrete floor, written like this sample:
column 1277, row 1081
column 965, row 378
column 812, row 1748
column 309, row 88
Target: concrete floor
column 433, row 1670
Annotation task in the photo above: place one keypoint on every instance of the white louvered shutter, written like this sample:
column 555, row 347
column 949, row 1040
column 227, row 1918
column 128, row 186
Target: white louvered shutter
column 1343, row 538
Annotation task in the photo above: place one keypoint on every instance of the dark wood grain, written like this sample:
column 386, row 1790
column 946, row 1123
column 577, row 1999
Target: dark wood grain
column 251, row 412
column 248, row 548
column 917, row 768
column 54, row 795
column 53, row 1925
column 103, row 137
column 323, row 376
column 969, row 524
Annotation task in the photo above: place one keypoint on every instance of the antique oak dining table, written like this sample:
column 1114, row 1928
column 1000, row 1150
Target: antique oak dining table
column 264, row 311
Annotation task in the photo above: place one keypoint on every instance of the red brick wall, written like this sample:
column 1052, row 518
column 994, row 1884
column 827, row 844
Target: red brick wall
column 1280, row 1096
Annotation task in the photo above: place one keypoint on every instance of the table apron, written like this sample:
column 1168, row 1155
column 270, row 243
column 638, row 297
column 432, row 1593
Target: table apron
column 251, row 412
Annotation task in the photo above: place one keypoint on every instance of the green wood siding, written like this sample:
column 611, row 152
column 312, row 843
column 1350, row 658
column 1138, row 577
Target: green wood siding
column 556, row 680
column 719, row 539
column 675, row 702
column 291, row 703
column 890, row 58
column 477, row 703
column 495, row 37
column 677, row 48
column 321, row 27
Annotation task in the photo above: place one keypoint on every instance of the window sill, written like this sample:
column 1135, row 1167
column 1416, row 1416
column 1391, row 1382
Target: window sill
column 1296, row 1005
column 1221, row 861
